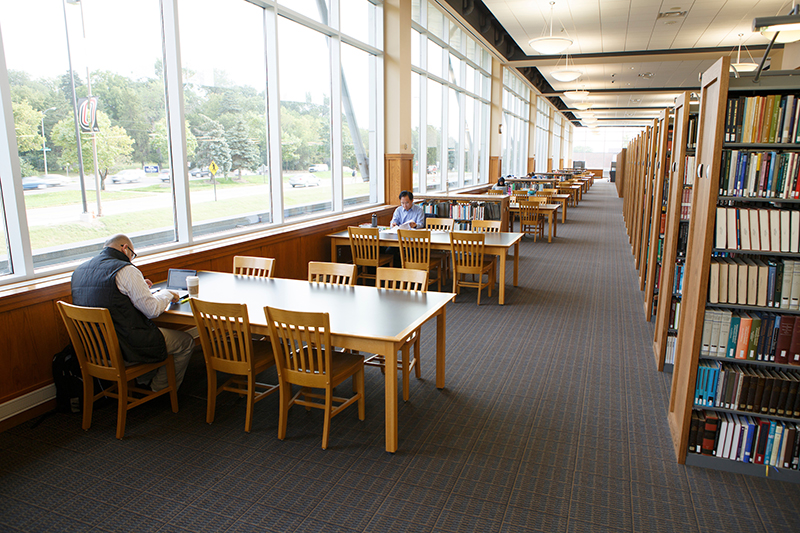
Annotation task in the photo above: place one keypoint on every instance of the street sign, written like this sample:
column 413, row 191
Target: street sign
column 151, row 169
column 213, row 168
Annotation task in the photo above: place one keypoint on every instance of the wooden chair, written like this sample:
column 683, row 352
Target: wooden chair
column 496, row 191
column 333, row 273
column 530, row 220
column 468, row 258
column 415, row 253
column 402, row 279
column 94, row 338
column 486, row 226
column 546, row 193
column 228, row 346
column 439, row 224
column 260, row 267
column 305, row 357
column 364, row 245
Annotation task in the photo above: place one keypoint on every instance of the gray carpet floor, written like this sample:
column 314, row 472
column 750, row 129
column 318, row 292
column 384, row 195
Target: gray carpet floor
column 553, row 419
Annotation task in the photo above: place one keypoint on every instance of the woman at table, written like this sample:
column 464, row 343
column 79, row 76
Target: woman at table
column 500, row 185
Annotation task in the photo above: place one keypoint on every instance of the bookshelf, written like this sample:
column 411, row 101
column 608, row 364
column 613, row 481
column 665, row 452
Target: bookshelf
column 696, row 362
column 633, row 195
column 652, row 267
column 664, row 333
column 650, row 155
column 464, row 208
column 619, row 178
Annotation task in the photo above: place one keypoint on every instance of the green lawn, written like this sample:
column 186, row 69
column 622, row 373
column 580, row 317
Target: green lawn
column 160, row 218
column 59, row 198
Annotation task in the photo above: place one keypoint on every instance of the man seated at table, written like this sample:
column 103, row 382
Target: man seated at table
column 408, row 212
column 110, row 280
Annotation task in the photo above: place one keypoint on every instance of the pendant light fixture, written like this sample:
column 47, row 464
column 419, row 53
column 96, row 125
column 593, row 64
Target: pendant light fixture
column 787, row 26
column 747, row 66
column 567, row 73
column 550, row 45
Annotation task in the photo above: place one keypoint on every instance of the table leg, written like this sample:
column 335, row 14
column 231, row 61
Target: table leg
column 390, row 355
column 334, row 256
column 502, row 296
column 563, row 211
column 550, row 226
column 555, row 225
column 440, row 342
column 516, row 261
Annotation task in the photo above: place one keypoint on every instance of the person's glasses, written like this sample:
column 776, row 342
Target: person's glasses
column 133, row 254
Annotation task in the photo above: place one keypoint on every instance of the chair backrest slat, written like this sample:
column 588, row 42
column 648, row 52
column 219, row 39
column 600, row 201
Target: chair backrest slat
column 261, row 267
column 403, row 279
column 331, row 273
column 439, row 224
column 224, row 332
column 301, row 343
column 364, row 245
column 415, row 248
column 467, row 250
column 486, row 226
column 93, row 336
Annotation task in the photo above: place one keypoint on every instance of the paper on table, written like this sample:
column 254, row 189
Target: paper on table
column 405, row 225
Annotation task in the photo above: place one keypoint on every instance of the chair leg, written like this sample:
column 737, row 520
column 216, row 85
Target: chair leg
column 251, row 392
column 405, row 363
column 173, row 393
column 417, row 366
column 285, row 395
column 358, row 377
column 88, row 402
column 211, row 403
column 122, row 407
column 326, row 427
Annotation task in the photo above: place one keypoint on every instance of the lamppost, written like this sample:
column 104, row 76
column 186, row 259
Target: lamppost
column 44, row 140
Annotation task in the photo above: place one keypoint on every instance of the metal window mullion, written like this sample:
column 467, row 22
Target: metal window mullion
column 335, row 57
column 173, row 79
column 274, row 115
column 16, row 219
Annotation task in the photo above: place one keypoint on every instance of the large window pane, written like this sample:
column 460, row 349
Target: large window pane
column 314, row 9
column 416, row 60
column 415, row 131
column 453, row 132
column 434, row 136
column 358, row 112
column 437, row 23
column 225, row 114
column 358, row 19
column 469, row 136
column 305, row 88
column 434, row 59
column 130, row 122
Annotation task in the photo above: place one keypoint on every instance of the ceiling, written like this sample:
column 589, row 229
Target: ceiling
column 636, row 55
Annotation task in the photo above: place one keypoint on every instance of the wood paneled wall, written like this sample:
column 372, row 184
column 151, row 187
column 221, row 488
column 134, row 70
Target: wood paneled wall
column 32, row 330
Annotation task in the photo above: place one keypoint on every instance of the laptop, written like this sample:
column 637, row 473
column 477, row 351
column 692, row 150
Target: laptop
column 176, row 280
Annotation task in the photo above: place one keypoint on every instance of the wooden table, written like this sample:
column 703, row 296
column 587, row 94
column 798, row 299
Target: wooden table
column 495, row 244
column 562, row 199
column 362, row 318
column 549, row 210
column 575, row 191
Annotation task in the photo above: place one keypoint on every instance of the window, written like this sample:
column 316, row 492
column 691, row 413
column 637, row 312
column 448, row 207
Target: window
column 70, row 218
column 434, row 137
column 358, row 125
column 515, row 125
column 225, row 115
column 416, row 137
column 269, row 133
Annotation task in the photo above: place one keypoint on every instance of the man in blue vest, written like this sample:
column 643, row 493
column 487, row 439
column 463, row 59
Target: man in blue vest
column 110, row 280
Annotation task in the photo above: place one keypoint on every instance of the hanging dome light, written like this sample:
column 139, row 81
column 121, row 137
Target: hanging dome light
column 738, row 66
column 566, row 75
column 576, row 95
column 583, row 106
column 550, row 45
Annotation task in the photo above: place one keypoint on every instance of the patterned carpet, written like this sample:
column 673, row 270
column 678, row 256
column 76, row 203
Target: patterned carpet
column 553, row 419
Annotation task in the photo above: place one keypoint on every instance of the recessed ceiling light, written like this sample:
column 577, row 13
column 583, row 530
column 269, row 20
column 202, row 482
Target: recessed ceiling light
column 636, row 100
column 670, row 22
column 647, row 75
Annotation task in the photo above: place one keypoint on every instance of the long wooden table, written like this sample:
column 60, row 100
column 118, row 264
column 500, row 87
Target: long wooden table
column 549, row 210
column 575, row 191
column 495, row 244
column 562, row 199
column 362, row 318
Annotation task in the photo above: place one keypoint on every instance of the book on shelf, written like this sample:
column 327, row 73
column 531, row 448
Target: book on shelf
column 762, row 119
column 766, row 391
column 753, row 282
column 751, row 229
column 751, row 174
column 752, row 336
column 746, row 439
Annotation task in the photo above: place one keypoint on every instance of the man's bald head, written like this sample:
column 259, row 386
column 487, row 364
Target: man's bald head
column 117, row 241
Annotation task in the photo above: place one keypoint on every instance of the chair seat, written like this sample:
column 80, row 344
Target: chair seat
column 344, row 364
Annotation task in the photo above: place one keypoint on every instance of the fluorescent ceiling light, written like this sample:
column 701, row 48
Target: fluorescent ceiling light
column 787, row 25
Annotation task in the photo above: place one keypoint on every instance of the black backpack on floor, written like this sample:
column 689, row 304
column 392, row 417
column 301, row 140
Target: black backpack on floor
column 68, row 380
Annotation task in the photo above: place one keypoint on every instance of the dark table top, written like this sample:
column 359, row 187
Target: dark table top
column 442, row 237
column 354, row 311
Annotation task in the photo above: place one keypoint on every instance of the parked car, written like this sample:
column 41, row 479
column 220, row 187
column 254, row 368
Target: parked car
column 200, row 173
column 128, row 176
column 318, row 168
column 42, row 182
column 304, row 180
column 165, row 175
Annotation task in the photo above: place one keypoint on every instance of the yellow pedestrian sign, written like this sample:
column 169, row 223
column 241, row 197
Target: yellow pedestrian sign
column 213, row 168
